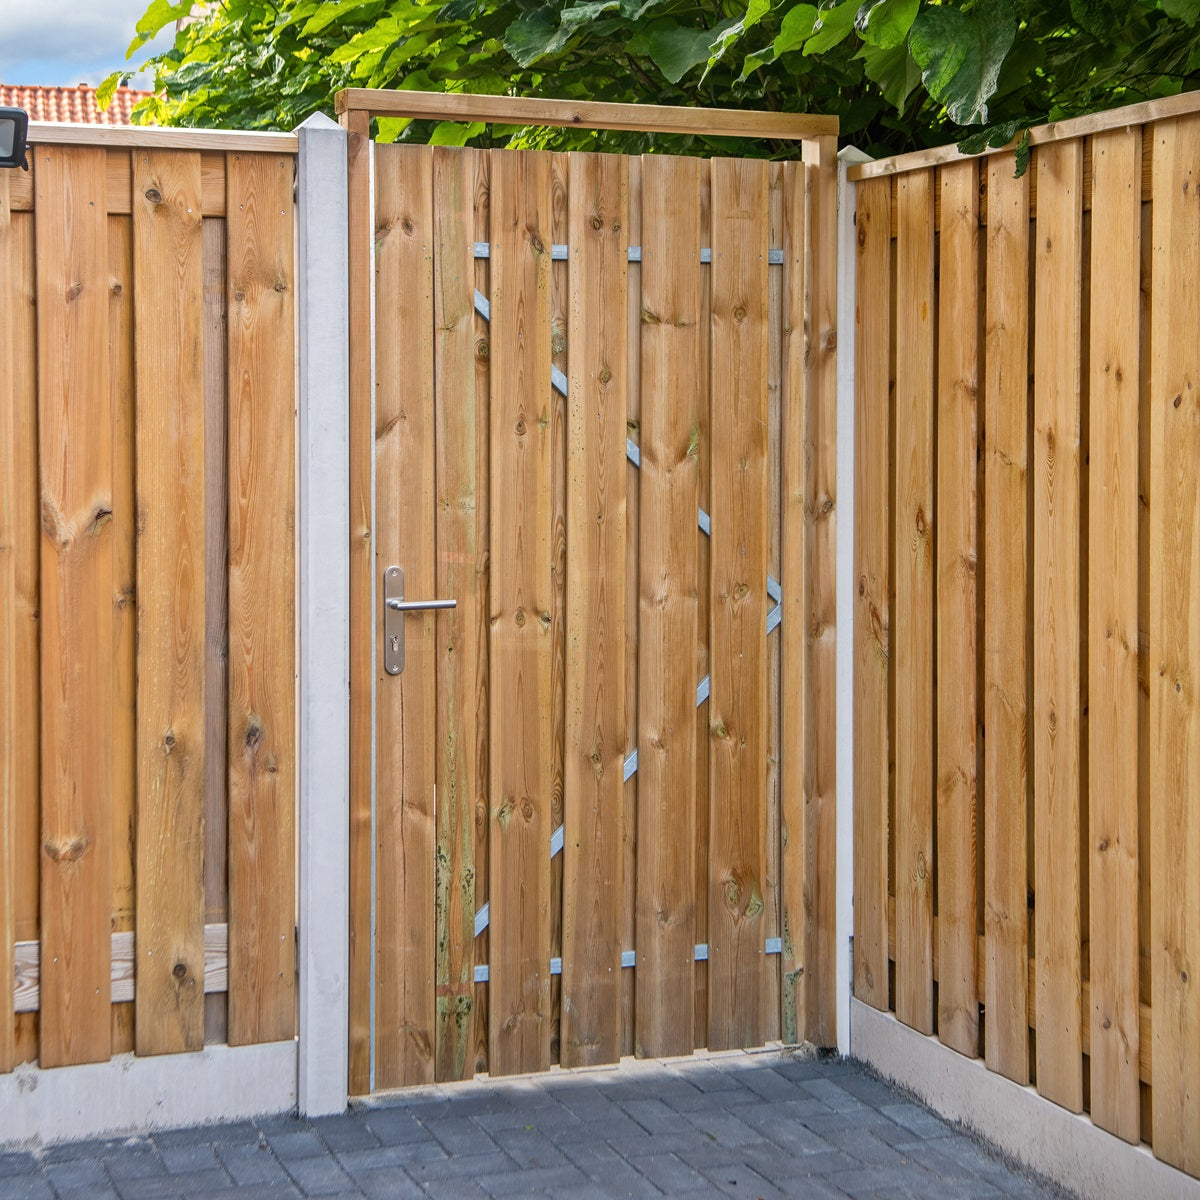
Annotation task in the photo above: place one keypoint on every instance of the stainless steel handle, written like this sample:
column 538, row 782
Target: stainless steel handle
column 419, row 605
column 394, row 608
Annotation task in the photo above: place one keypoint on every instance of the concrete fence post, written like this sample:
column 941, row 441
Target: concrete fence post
column 323, row 618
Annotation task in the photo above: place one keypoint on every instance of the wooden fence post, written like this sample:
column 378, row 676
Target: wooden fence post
column 324, row 618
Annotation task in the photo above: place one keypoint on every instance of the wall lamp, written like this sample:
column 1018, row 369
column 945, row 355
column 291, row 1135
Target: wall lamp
column 14, row 129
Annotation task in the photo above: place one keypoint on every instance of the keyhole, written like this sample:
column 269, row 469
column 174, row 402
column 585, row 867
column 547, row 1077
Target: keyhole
column 395, row 644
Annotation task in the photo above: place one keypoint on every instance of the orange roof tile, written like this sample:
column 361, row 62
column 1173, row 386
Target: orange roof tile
column 74, row 104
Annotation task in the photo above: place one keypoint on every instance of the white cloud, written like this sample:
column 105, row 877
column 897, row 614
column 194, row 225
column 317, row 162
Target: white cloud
column 63, row 42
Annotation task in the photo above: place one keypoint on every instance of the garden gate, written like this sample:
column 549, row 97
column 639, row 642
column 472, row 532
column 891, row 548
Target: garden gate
column 592, row 407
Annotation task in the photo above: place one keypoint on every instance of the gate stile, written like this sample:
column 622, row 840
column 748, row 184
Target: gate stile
column 533, row 446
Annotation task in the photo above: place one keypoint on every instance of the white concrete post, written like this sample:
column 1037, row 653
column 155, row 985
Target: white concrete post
column 324, row 619
column 847, row 256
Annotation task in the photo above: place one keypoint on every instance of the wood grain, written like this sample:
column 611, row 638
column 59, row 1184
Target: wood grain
column 1175, row 646
column 262, row 719
column 406, row 704
column 76, row 605
column 482, row 224
column 872, row 589
column 361, row 258
column 820, row 618
column 216, row 600
column 461, row 445
column 10, row 506
column 738, row 703
column 1006, row 606
column 957, row 558
column 595, row 611
column 669, row 440
column 168, row 293
column 1056, row 609
column 124, row 526
column 1112, row 606
column 912, row 631
column 521, row 603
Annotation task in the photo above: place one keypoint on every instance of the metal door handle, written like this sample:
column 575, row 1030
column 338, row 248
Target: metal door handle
column 394, row 608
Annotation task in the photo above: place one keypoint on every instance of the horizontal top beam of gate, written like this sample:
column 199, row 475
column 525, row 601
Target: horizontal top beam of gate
column 521, row 110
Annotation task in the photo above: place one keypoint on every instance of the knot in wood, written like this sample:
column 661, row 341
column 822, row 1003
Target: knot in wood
column 154, row 195
column 519, row 618
column 519, row 428
column 605, row 375
column 739, row 314
column 481, row 350
column 179, row 970
column 862, row 586
column 597, row 223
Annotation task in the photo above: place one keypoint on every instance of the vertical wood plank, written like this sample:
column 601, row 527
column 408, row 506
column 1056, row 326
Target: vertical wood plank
column 12, row 502
column 1115, row 369
column 406, row 704
column 1005, row 603
column 216, row 602
column 913, row 629
column 459, row 518
column 795, row 751
column 1175, row 645
column 362, row 595
column 669, row 440
column 957, row 458
column 124, row 522
column 262, row 817
column 168, row 297
column 738, row 703
column 872, row 617
column 1056, row 608
column 75, row 456
column 820, row 615
column 482, row 226
column 521, row 732
column 595, row 611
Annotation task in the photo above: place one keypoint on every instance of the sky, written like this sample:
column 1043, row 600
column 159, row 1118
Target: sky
column 64, row 42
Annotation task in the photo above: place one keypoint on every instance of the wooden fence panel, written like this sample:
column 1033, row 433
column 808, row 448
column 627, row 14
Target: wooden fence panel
column 169, row 422
column 261, row 298
column 75, row 439
column 595, row 611
column 957, row 558
column 461, row 422
column 872, row 575
column 668, row 604
column 912, row 630
column 1057, row 621
column 738, row 703
column 521, row 605
column 406, row 704
column 1112, row 608
column 1006, row 607
column 1174, row 797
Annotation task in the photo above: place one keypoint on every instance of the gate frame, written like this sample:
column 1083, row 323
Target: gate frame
column 808, row 523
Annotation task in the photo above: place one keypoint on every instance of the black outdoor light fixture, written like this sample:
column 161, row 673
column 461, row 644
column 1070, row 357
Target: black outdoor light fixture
column 14, row 128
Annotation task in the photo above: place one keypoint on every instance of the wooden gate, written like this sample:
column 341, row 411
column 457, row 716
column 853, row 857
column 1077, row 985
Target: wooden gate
column 588, row 801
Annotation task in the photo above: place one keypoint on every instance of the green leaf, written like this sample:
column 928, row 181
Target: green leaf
column 107, row 90
column 755, row 11
column 832, row 27
column 892, row 71
column 532, row 35
column 797, row 27
column 156, row 18
column 455, row 133
column 885, row 23
column 676, row 51
column 960, row 55
column 1182, row 10
column 1100, row 18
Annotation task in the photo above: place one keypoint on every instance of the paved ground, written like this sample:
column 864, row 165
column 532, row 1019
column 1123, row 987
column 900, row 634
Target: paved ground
column 766, row 1125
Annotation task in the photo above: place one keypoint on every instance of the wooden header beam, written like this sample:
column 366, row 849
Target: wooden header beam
column 153, row 137
column 646, row 118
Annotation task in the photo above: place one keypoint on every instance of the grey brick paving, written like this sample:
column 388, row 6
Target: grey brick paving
column 760, row 1126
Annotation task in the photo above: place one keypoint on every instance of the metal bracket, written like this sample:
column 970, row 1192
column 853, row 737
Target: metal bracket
column 394, row 608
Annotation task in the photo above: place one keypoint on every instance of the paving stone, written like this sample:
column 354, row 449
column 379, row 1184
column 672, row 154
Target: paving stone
column 727, row 1129
column 25, row 1185
column 544, row 1179
column 184, row 1159
column 530, row 1149
column 392, row 1128
column 916, row 1119
column 669, row 1172
column 154, row 1187
column 319, row 1177
column 72, row 1176
column 387, row 1184
column 832, row 1094
column 252, row 1164
column 300, row 1144
column 454, row 1189
column 737, row 1179
column 133, row 1164
column 345, row 1133
column 462, row 1166
column 17, row 1162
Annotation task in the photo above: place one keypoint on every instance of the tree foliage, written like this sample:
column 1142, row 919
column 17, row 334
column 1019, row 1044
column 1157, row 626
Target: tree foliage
column 899, row 73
